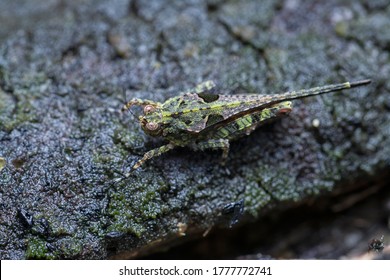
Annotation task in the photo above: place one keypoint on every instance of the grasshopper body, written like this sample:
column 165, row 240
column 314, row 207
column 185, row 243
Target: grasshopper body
column 201, row 119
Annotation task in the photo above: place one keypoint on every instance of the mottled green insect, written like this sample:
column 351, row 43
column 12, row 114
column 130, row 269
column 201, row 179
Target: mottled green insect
column 201, row 119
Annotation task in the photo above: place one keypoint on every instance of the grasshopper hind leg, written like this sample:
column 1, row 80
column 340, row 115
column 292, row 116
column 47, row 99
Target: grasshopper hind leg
column 215, row 144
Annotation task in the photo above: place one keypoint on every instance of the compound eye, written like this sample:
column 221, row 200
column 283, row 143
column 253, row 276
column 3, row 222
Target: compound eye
column 152, row 126
column 149, row 109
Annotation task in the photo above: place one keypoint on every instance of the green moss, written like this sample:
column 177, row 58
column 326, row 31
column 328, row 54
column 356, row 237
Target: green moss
column 272, row 183
column 64, row 248
column 6, row 108
column 255, row 199
column 69, row 247
column 135, row 204
column 102, row 158
column 129, row 139
column 37, row 249
column 11, row 116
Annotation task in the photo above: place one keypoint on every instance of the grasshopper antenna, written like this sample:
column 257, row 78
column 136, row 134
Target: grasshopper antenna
column 124, row 101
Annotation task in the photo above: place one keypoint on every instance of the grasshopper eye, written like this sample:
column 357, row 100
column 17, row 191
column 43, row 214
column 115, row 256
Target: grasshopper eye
column 152, row 126
column 149, row 109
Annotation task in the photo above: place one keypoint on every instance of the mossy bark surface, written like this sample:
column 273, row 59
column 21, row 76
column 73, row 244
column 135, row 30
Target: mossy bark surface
column 66, row 68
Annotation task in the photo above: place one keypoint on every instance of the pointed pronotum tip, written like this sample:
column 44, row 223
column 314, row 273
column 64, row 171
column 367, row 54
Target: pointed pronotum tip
column 360, row 83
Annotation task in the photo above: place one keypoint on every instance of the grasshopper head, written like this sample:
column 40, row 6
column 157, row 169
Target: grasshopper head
column 151, row 121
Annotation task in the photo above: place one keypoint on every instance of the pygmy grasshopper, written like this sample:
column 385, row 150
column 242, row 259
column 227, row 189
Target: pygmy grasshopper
column 201, row 119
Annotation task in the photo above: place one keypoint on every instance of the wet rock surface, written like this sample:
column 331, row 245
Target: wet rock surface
column 66, row 68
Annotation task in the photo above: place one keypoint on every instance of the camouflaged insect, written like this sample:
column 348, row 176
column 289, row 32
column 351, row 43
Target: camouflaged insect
column 201, row 119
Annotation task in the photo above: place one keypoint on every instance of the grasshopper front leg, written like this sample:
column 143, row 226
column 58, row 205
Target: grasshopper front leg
column 153, row 153
column 148, row 155
column 215, row 144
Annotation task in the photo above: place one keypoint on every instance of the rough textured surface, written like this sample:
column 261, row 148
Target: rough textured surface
column 65, row 67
